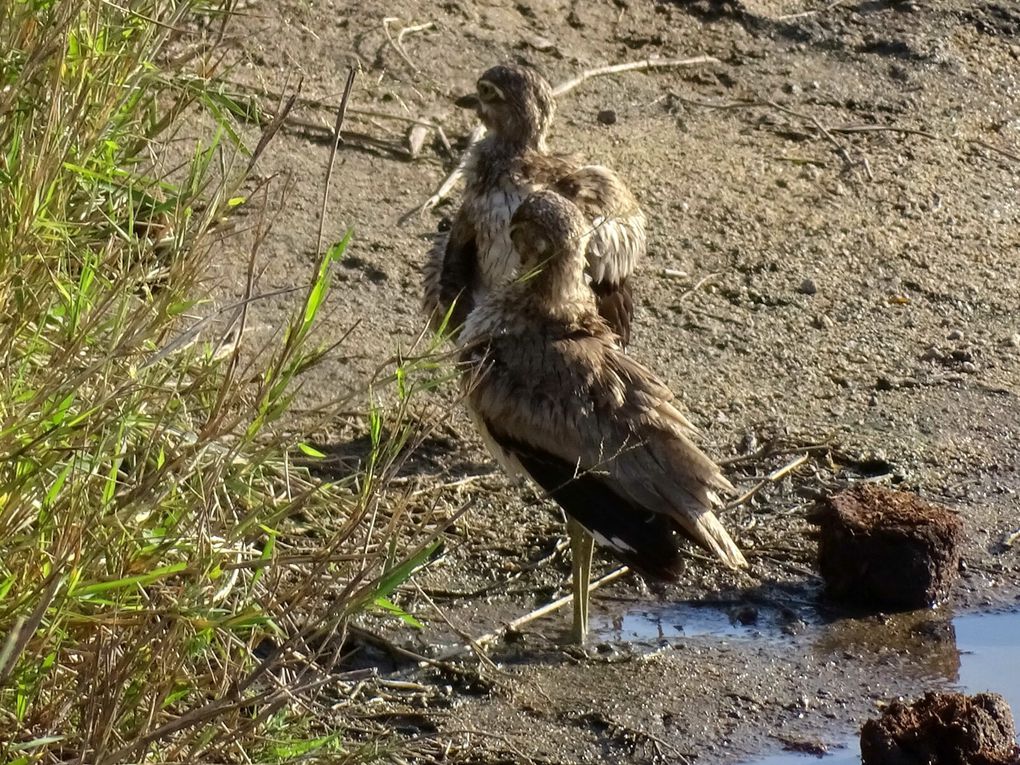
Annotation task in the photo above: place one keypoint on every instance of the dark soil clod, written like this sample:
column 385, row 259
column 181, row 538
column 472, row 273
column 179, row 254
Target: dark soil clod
column 942, row 729
column 886, row 549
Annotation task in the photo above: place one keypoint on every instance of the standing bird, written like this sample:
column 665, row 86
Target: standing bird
column 555, row 398
column 516, row 106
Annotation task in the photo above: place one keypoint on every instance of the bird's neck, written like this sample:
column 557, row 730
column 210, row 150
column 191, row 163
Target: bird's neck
column 507, row 145
column 558, row 289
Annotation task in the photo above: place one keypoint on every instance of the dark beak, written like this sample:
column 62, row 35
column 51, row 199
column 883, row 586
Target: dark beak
column 468, row 102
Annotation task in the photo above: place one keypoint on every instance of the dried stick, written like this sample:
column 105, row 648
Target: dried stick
column 538, row 613
column 398, row 43
column 482, row 640
column 883, row 129
column 451, row 180
column 317, row 103
column 414, row 30
column 840, row 148
column 632, row 66
column 996, row 149
column 772, row 477
column 805, row 14
column 698, row 285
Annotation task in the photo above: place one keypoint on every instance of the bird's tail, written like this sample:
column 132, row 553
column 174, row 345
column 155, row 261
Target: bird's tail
column 708, row 531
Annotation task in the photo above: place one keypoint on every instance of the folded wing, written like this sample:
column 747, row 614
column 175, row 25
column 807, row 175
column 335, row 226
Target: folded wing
column 450, row 273
column 586, row 422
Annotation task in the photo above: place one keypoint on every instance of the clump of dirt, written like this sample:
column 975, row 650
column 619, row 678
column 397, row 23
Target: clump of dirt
column 883, row 548
column 943, row 729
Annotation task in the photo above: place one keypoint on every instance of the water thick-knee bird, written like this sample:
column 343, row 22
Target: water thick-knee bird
column 556, row 398
column 516, row 106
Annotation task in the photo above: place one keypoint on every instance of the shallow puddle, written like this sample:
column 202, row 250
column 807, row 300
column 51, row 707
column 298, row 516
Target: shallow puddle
column 972, row 653
column 663, row 623
column 987, row 650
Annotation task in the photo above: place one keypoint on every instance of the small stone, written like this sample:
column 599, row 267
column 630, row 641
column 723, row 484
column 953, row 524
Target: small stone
column 747, row 616
column 808, row 287
column 969, row 367
column 607, row 117
column 955, row 335
column 810, row 172
column 792, row 88
column 1014, row 340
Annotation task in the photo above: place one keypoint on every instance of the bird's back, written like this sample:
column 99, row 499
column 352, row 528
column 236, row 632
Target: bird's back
column 497, row 183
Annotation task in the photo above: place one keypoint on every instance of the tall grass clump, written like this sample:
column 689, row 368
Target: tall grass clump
column 167, row 573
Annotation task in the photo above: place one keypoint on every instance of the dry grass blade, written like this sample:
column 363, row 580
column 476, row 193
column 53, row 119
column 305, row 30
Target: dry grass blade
column 273, row 128
column 341, row 114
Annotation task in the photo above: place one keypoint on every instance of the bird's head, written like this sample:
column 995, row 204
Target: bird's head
column 515, row 103
column 549, row 232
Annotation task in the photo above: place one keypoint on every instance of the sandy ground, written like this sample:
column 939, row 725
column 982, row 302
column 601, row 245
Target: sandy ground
column 834, row 211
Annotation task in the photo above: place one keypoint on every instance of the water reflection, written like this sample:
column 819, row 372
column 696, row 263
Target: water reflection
column 926, row 640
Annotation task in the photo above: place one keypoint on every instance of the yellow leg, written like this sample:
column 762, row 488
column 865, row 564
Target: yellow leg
column 581, row 549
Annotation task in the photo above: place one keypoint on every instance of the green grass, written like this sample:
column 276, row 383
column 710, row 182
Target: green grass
column 156, row 525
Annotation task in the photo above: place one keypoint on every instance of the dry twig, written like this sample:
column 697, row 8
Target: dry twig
column 996, row 149
column 398, row 43
column 805, row 14
column 772, row 477
column 631, row 66
column 538, row 613
column 451, row 180
column 698, row 285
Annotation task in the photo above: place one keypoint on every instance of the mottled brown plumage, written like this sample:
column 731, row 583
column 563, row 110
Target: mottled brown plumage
column 557, row 399
column 516, row 105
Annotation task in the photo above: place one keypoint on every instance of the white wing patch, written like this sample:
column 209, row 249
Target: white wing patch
column 616, row 245
column 613, row 543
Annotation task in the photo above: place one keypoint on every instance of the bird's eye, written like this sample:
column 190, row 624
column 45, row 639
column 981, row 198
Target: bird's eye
column 489, row 92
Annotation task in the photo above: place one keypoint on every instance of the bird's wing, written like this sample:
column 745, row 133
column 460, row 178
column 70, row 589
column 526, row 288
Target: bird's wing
column 449, row 273
column 582, row 418
column 617, row 241
column 643, row 540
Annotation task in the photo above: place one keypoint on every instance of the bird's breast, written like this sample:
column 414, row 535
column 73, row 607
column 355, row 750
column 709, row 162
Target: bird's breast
column 493, row 210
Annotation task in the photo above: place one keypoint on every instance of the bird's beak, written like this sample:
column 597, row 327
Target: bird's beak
column 469, row 101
